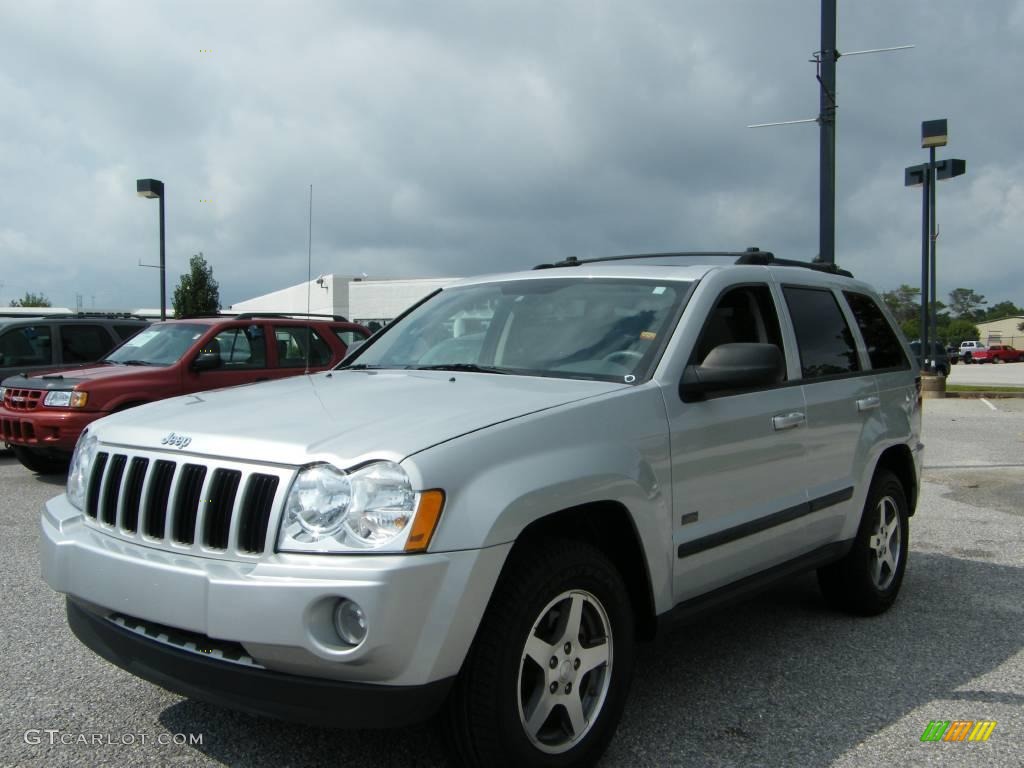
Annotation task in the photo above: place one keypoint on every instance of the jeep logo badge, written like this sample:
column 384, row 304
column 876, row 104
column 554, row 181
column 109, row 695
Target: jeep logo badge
column 177, row 441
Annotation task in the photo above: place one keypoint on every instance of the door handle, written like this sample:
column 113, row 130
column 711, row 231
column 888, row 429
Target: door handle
column 867, row 403
column 787, row 421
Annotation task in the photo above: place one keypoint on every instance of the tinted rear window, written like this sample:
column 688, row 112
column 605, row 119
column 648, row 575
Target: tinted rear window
column 883, row 345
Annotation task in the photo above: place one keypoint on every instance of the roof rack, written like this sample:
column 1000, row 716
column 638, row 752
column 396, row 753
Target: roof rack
column 766, row 259
column 752, row 255
column 288, row 316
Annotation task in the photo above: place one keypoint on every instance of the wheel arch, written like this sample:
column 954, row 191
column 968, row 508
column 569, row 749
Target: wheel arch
column 898, row 460
column 609, row 528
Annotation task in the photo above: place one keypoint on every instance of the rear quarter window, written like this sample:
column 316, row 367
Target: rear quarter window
column 884, row 348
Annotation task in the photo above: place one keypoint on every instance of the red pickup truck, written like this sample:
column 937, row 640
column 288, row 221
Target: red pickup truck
column 997, row 353
column 42, row 416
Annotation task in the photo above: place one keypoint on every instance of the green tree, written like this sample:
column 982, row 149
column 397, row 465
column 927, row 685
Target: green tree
column 911, row 328
column 966, row 304
column 959, row 330
column 1001, row 310
column 197, row 292
column 904, row 302
column 31, row 300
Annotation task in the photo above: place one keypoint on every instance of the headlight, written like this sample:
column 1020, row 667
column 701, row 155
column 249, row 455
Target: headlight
column 81, row 468
column 374, row 507
column 3, row 394
column 66, row 399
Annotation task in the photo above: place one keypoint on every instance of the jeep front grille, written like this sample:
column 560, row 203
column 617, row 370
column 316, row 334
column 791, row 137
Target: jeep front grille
column 209, row 508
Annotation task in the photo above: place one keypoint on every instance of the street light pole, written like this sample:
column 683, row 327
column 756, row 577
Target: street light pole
column 933, row 134
column 933, row 330
column 163, row 264
column 154, row 188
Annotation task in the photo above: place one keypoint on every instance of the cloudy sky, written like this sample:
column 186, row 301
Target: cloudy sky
column 461, row 137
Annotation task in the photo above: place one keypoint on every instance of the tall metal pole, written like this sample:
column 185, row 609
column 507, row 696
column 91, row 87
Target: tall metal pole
column 827, row 121
column 933, row 236
column 925, row 188
column 163, row 280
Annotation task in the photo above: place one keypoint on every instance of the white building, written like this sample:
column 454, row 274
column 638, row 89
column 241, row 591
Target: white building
column 362, row 301
column 381, row 301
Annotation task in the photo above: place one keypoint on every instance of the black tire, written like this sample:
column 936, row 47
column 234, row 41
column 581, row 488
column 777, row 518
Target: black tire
column 967, row 358
column 40, row 461
column 540, row 589
column 867, row 580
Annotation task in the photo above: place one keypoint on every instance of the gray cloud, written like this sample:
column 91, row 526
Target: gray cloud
column 451, row 138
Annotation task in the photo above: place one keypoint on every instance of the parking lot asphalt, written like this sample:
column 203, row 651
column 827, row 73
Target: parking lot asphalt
column 778, row 680
column 988, row 375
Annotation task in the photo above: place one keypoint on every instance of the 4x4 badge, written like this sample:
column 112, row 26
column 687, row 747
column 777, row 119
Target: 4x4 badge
column 178, row 441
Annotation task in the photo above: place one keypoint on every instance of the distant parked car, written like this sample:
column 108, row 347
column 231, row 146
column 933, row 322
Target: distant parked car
column 967, row 350
column 998, row 353
column 35, row 344
column 41, row 417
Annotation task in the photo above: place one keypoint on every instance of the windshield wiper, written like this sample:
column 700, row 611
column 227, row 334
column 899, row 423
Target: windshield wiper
column 360, row 367
column 469, row 367
column 136, row 362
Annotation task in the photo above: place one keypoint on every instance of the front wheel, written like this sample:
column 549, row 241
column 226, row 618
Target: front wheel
column 546, row 680
column 867, row 581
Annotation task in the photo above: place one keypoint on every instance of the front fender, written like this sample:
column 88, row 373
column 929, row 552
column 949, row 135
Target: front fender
column 501, row 479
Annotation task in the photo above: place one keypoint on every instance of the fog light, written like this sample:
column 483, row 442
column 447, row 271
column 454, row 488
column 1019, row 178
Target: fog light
column 350, row 622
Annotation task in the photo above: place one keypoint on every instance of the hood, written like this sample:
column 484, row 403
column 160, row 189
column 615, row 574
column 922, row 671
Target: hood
column 345, row 417
column 66, row 378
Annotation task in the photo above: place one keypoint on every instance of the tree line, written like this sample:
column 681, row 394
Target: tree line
column 955, row 321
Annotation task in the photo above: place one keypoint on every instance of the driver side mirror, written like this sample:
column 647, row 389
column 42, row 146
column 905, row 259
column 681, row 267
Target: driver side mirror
column 206, row 360
column 733, row 366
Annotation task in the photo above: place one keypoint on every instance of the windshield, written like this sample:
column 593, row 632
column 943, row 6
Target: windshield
column 158, row 345
column 610, row 329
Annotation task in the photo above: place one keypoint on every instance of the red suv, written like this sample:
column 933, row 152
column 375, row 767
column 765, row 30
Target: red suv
column 42, row 416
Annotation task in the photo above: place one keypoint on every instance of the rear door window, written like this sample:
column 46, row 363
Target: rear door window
column 295, row 342
column 823, row 337
column 84, row 343
column 884, row 348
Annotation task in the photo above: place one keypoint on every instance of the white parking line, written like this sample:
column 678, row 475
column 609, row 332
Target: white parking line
column 986, row 402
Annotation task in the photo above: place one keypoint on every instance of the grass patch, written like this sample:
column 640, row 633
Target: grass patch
column 977, row 388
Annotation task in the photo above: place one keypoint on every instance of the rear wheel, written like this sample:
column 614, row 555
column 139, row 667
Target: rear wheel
column 867, row 581
column 546, row 680
column 42, row 461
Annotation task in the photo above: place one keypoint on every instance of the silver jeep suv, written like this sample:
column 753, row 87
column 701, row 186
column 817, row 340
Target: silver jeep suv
column 483, row 508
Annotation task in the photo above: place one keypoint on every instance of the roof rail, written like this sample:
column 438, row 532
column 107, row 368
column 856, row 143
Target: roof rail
column 752, row 255
column 288, row 316
column 768, row 260
column 572, row 261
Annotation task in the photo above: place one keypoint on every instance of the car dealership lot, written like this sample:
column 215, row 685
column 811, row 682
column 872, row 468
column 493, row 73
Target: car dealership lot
column 779, row 679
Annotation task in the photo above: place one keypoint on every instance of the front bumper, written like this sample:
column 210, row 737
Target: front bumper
column 43, row 427
column 422, row 610
column 257, row 691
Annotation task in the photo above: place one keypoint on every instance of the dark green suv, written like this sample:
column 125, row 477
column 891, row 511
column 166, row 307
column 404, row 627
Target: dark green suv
column 35, row 344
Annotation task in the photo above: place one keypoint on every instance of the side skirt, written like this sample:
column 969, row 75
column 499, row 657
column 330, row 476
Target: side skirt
column 690, row 610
